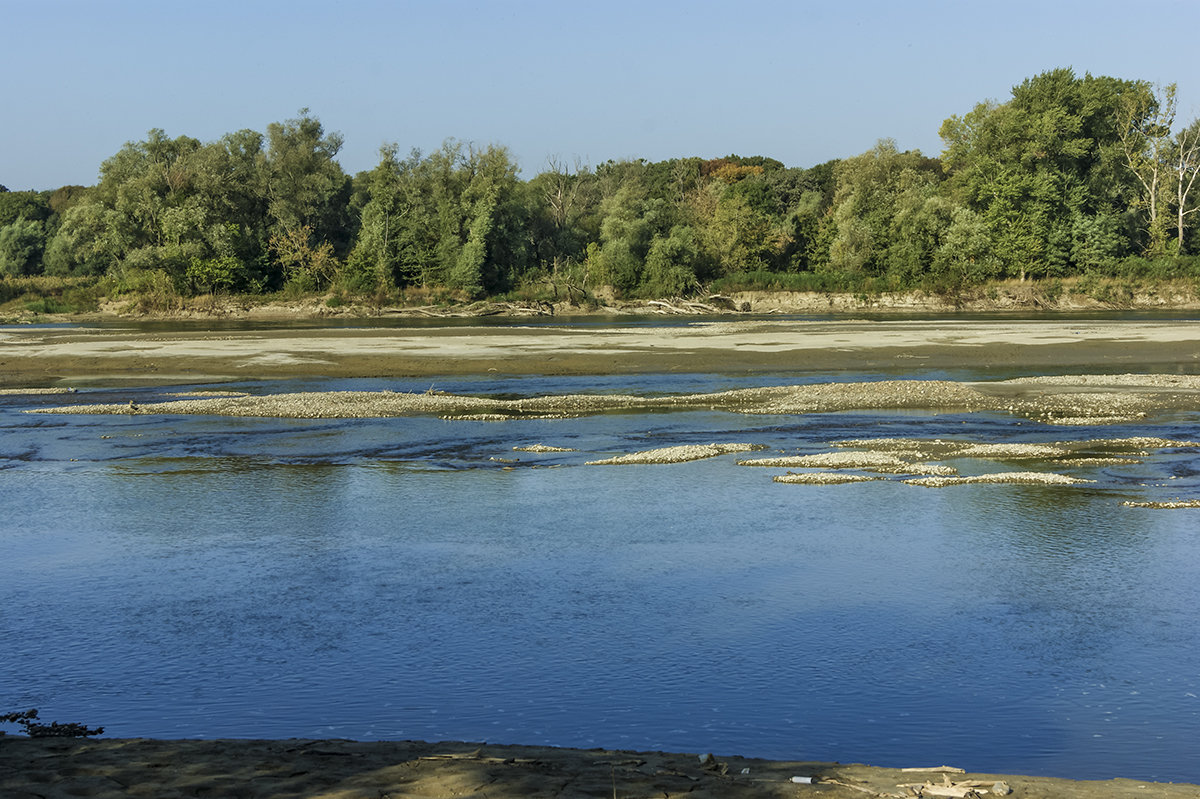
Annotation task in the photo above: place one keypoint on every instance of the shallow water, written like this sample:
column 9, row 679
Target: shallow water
column 405, row 578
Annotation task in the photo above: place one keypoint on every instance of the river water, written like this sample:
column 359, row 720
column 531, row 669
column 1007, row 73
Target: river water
column 207, row 577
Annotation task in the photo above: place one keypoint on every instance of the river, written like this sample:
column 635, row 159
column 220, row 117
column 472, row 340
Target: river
column 202, row 577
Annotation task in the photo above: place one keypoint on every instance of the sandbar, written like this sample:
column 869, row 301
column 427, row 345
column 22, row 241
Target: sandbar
column 44, row 356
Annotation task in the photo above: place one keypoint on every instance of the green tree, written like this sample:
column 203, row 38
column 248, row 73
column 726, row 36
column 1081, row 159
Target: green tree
column 377, row 250
column 305, row 186
column 883, row 215
column 1144, row 121
column 29, row 205
column 456, row 218
column 966, row 253
column 737, row 236
column 85, row 242
column 560, row 201
column 670, row 267
column 492, row 255
column 21, row 245
column 1038, row 164
column 1186, row 169
column 630, row 220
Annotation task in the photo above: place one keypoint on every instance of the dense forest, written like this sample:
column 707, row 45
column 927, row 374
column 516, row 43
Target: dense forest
column 1071, row 176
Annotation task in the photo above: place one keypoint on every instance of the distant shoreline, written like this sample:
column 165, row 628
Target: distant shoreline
column 1065, row 296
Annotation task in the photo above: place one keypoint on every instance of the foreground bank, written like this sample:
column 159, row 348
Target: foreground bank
column 112, row 768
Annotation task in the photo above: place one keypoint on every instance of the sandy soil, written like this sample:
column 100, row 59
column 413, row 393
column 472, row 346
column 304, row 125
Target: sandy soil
column 33, row 356
column 112, row 768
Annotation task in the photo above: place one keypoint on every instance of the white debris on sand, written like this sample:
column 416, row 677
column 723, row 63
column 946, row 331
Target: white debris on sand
column 1072, row 451
column 824, row 478
column 1136, row 443
column 1091, row 421
column 680, row 454
column 871, row 461
column 204, row 394
column 1157, row 381
column 30, row 391
column 829, row 460
column 1011, row 451
column 1056, row 403
column 1013, row 478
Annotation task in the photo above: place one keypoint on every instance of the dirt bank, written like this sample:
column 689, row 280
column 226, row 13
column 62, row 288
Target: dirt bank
column 115, row 768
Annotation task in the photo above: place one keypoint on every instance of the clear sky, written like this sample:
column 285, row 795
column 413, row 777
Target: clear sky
column 802, row 82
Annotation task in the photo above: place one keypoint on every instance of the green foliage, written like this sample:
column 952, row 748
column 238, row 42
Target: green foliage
column 308, row 266
column 28, row 205
column 885, row 220
column 966, row 255
column 631, row 218
column 1045, row 172
column 455, row 218
column 46, row 295
column 216, row 275
column 21, row 246
column 152, row 290
column 1050, row 184
column 671, row 264
column 764, row 280
column 305, row 187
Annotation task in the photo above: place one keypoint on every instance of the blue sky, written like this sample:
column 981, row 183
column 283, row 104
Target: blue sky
column 802, row 82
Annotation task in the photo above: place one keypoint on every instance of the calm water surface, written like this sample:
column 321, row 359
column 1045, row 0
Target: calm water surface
column 400, row 578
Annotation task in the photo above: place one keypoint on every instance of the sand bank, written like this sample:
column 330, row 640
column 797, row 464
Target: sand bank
column 43, row 356
column 677, row 454
column 112, row 768
column 1053, row 400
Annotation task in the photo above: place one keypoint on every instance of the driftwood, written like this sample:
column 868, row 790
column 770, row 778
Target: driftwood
column 861, row 789
column 478, row 309
column 679, row 306
column 957, row 788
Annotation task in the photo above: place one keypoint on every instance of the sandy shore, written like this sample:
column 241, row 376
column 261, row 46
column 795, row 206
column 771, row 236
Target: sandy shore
column 112, row 768
column 31, row 356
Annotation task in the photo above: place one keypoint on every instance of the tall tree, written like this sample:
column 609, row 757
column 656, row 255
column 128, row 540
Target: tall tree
column 1044, row 169
column 305, row 185
column 30, row 205
column 492, row 252
column 21, row 245
column 879, row 208
column 1186, row 163
column 377, row 250
column 1144, row 121
column 560, row 198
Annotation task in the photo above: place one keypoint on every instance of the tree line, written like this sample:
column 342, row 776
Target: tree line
column 1069, row 176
